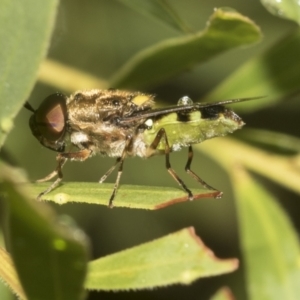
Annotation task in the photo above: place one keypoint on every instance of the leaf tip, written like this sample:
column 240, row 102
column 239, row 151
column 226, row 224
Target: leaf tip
column 209, row 194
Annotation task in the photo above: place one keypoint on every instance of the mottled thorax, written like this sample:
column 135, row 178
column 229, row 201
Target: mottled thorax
column 93, row 118
column 105, row 105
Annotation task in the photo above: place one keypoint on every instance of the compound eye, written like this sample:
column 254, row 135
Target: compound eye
column 51, row 117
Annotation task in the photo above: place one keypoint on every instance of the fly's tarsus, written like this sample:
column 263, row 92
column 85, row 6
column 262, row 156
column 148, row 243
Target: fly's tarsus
column 193, row 174
column 112, row 197
column 57, row 172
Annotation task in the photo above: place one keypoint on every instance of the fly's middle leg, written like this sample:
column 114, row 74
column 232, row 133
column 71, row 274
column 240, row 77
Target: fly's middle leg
column 120, row 161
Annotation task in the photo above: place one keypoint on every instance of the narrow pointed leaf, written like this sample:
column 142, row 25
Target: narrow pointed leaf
column 180, row 257
column 269, row 242
column 287, row 9
column 160, row 10
column 9, row 275
column 225, row 30
column 133, row 196
column 49, row 254
column 66, row 78
column 25, row 29
column 278, row 168
column 274, row 74
column 273, row 141
column 5, row 292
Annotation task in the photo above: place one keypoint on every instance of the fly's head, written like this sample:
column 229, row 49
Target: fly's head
column 49, row 122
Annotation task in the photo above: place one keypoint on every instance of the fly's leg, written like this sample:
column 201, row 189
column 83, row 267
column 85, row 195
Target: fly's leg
column 62, row 159
column 162, row 135
column 194, row 175
column 57, row 172
column 112, row 197
column 120, row 160
column 103, row 178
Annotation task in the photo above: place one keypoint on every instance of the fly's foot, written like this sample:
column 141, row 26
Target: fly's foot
column 218, row 195
column 111, row 200
column 190, row 195
column 39, row 196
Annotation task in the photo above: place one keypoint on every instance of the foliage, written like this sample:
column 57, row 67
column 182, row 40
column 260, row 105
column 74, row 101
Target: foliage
column 50, row 253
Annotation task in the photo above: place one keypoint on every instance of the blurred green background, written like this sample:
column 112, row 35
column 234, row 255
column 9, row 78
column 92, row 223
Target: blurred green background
column 99, row 36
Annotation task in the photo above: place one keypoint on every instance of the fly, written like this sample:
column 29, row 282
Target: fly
column 124, row 124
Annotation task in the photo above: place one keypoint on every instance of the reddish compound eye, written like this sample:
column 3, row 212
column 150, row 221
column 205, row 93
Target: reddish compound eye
column 50, row 117
column 48, row 123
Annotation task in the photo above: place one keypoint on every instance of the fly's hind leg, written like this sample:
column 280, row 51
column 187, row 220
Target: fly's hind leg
column 162, row 135
column 62, row 159
column 194, row 175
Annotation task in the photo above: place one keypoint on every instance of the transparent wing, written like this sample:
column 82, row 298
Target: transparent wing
column 161, row 111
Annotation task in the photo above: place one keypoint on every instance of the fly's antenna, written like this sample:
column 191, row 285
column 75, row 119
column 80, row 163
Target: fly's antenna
column 29, row 107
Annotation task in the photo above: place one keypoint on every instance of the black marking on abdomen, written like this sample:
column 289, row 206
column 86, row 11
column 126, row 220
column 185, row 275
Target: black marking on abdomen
column 211, row 112
column 183, row 117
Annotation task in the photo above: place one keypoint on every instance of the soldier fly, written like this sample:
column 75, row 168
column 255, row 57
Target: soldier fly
column 123, row 124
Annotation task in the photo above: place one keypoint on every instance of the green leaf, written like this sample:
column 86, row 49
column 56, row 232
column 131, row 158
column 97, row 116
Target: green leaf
column 133, row 196
column 8, row 274
column 278, row 168
column 225, row 30
column 5, row 292
column 180, row 257
column 287, row 9
column 273, row 141
column 25, row 29
column 67, row 78
column 160, row 10
column 49, row 254
column 274, row 74
column 269, row 242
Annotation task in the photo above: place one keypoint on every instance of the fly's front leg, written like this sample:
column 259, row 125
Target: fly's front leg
column 162, row 135
column 194, row 175
column 120, row 160
column 57, row 172
column 62, row 159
